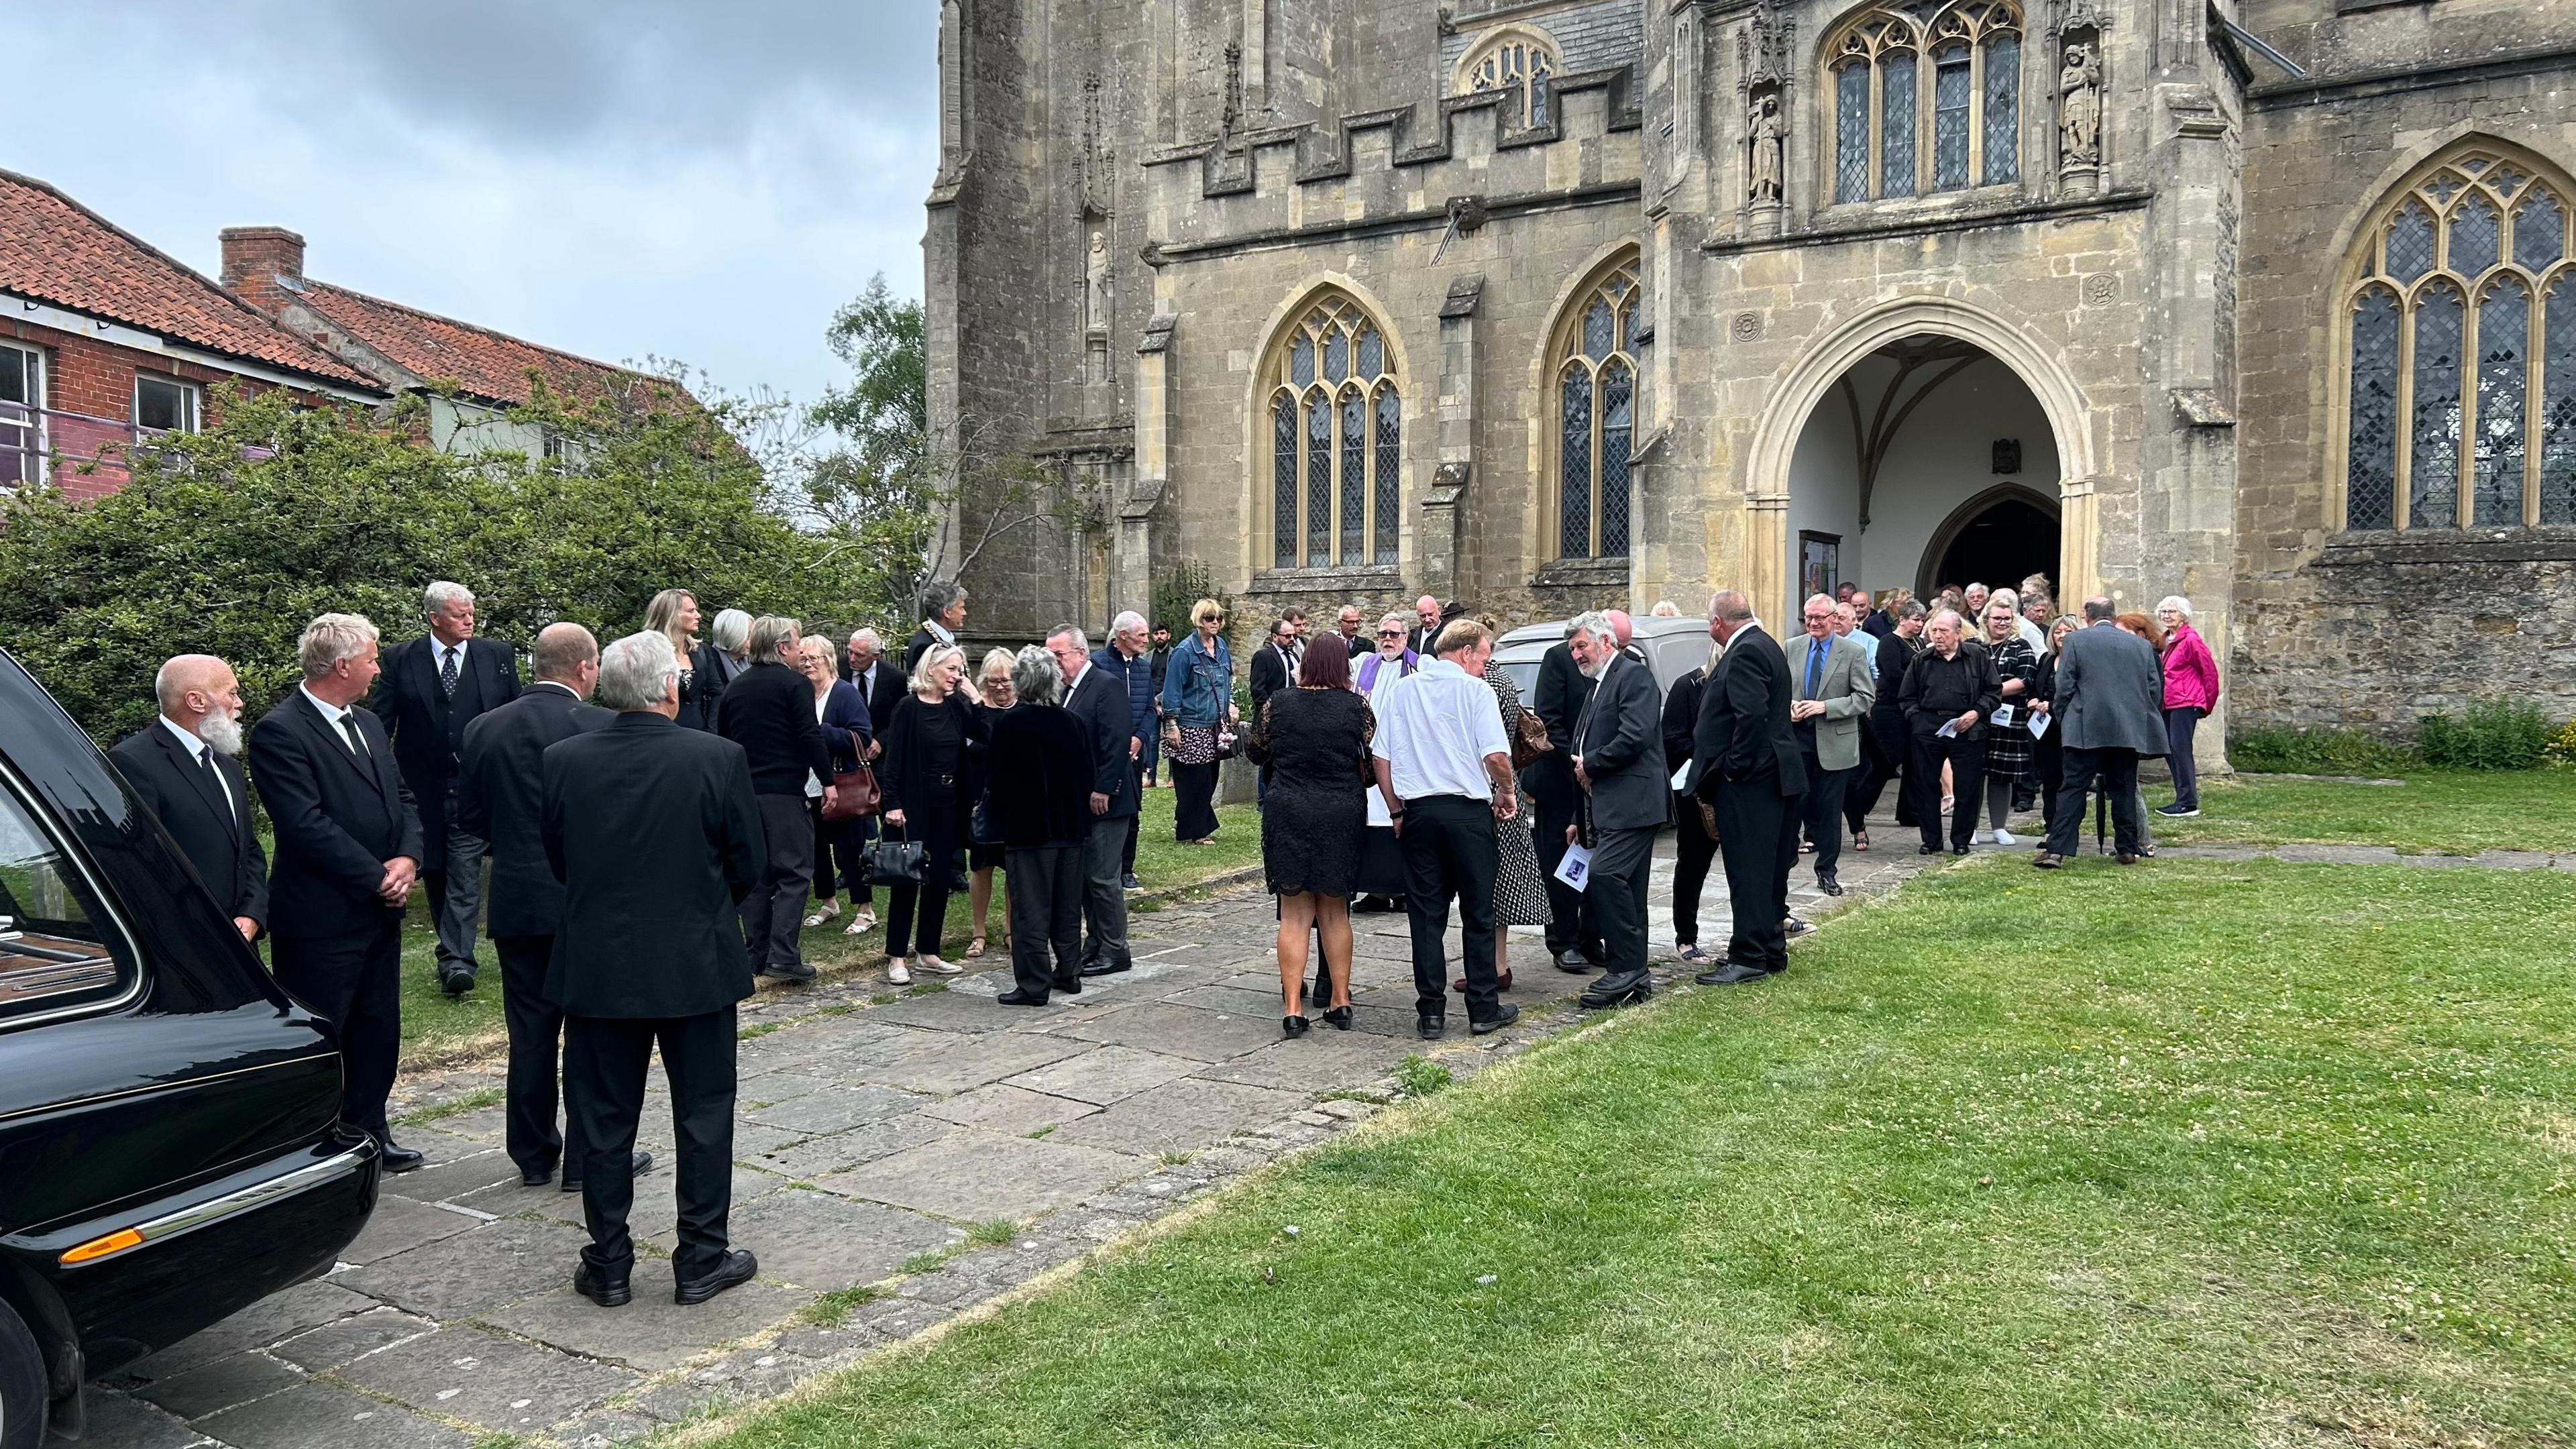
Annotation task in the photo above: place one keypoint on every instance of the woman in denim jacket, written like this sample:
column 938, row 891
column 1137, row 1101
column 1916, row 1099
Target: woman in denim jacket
column 1198, row 707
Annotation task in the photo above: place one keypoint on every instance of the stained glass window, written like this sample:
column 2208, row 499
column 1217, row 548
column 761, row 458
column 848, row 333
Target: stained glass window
column 1596, row 406
column 2433, row 494
column 1896, row 129
column 2558, row 406
column 1950, row 120
column 1336, row 418
column 2504, row 336
column 1976, row 62
column 1390, row 454
column 1355, row 442
column 1851, row 133
column 2003, row 110
column 1596, row 329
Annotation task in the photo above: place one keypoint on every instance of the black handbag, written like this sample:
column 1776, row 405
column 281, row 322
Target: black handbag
column 892, row 862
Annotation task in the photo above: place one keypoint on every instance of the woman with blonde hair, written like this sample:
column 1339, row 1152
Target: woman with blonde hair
column 843, row 714
column 926, row 788
column 673, row 614
column 1198, row 707
column 983, row 838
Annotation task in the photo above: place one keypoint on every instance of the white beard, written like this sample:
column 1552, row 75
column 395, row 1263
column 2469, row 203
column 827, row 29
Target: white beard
column 221, row 732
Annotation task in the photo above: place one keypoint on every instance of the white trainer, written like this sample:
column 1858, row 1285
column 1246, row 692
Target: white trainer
column 2005, row 837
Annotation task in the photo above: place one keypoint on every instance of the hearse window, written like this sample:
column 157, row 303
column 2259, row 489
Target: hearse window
column 55, row 942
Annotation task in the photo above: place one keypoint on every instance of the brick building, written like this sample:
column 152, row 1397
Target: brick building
column 1541, row 304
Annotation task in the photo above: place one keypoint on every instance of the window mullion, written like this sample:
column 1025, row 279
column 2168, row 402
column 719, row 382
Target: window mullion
column 1871, row 186
column 2535, row 351
column 1976, row 116
column 2401, row 508
column 2472, row 370
column 1593, row 369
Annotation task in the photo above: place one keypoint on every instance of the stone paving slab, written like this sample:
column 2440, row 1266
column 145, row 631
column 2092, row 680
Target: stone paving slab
column 306, row 1305
column 652, row 1333
column 456, row 1180
column 1181, row 1116
column 484, row 1378
column 459, row 1277
column 816, row 1156
column 1103, row 1075
column 837, row 1111
column 655, row 1209
column 978, row 1176
column 334, row 1344
column 318, row 1414
column 943, row 1064
column 826, row 1242
column 220, row 1385
column 1181, row 1031
column 1013, row 1110
column 399, row 1223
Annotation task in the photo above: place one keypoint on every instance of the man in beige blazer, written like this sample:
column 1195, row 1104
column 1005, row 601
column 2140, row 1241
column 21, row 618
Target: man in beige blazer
column 1831, row 691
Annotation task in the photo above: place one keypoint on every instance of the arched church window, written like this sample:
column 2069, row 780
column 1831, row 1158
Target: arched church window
column 1594, row 381
column 1967, row 57
column 1336, row 439
column 1519, row 62
column 2460, row 346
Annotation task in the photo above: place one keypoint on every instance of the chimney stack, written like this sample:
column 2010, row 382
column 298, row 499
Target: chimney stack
column 256, row 258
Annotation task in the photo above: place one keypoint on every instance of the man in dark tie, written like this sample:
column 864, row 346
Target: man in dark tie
column 655, row 835
column 1573, row 936
column 2110, row 702
column 1099, row 699
column 1835, row 692
column 348, row 852
column 1618, row 762
column 186, row 766
column 498, row 794
column 431, row 689
column 1752, row 773
column 1125, row 655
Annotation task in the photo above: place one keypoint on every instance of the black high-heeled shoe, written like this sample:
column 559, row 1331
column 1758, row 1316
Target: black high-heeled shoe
column 1340, row 1017
column 1294, row 1026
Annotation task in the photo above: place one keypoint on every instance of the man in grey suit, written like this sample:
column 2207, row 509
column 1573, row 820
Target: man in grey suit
column 1618, row 759
column 2110, row 698
column 1834, row 691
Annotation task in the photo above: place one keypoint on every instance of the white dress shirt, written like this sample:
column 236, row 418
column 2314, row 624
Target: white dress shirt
column 1075, row 683
column 197, row 757
column 440, row 650
column 1434, row 729
column 332, row 714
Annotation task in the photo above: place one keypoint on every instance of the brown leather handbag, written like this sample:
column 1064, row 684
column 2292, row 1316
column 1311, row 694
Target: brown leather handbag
column 1530, row 741
column 854, row 794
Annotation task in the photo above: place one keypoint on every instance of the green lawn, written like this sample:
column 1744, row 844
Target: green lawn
column 2435, row 811
column 2198, row 1154
column 436, row 1029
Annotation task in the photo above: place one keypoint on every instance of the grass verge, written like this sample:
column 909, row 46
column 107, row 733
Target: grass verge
column 2206, row 1154
column 2435, row 811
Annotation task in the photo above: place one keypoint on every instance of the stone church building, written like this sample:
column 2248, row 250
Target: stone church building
column 1548, row 304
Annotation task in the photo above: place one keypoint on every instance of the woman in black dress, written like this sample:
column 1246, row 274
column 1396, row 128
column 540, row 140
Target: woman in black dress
column 1315, row 739
column 926, row 787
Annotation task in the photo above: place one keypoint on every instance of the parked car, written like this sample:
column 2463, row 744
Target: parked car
column 1673, row 648
column 170, row 1149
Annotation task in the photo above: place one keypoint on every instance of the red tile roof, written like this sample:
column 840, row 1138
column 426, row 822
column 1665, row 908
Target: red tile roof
column 55, row 250
column 484, row 363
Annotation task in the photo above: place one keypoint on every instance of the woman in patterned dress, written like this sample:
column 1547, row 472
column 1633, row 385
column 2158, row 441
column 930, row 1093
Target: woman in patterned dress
column 1520, row 892
column 2008, row 746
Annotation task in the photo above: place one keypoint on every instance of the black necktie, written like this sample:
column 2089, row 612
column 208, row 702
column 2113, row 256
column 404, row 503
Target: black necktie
column 447, row 672
column 357, row 746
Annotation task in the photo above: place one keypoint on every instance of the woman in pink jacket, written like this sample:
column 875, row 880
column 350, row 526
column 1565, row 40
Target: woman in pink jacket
column 2191, row 688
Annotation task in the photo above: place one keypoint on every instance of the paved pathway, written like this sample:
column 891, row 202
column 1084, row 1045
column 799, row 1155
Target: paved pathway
column 875, row 1133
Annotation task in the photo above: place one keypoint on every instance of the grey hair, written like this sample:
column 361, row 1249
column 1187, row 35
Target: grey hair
column 1003, row 657
column 870, row 639
column 1950, row 614
column 2007, row 596
column 1126, row 620
column 772, row 633
column 1813, row 600
column 1910, row 609
column 1597, row 624
column 2177, row 603
column 438, row 596
column 1035, row 677
column 931, row 658
column 1730, row 606
column 638, row 671
column 731, row 628
column 1080, row 640
column 938, row 594
column 331, row 639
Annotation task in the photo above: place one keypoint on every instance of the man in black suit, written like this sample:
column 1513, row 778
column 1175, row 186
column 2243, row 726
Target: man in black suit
column 498, row 793
column 653, row 832
column 2109, row 703
column 1752, row 774
column 769, row 711
column 1354, row 632
column 1425, row 633
column 1618, row 764
column 348, row 853
column 431, row 689
column 1573, row 935
column 943, row 613
column 1274, row 664
column 1099, row 699
column 186, row 766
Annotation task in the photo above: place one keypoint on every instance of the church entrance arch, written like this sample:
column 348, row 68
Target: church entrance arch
column 1922, row 437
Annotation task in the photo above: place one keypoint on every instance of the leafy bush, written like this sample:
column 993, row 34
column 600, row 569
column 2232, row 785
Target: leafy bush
column 2562, row 745
column 2492, row 734
column 1179, row 587
column 2317, row 752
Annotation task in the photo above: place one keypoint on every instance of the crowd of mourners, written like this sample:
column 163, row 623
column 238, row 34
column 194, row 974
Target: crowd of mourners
column 648, row 855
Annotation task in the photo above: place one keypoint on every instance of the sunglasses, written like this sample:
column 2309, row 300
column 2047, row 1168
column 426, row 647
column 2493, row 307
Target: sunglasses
column 1390, row 633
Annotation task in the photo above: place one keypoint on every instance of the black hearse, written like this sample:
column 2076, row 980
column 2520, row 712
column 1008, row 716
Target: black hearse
column 169, row 1144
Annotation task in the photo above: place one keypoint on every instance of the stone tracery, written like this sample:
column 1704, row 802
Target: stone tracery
column 1966, row 56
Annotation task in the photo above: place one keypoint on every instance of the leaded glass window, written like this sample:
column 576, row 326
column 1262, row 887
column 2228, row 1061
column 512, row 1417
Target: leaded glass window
column 1519, row 63
column 1851, row 133
column 1950, row 94
column 1972, row 51
column 2461, row 408
column 1337, row 418
column 1896, row 137
column 1596, row 385
column 2002, row 121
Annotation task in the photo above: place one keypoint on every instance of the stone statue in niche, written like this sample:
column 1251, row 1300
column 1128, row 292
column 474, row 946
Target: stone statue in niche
column 1095, row 273
column 1762, row 129
column 2079, row 106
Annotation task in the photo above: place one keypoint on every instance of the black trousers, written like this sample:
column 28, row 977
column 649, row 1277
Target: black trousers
column 915, row 914
column 837, row 855
column 1450, row 850
column 2117, row 772
column 536, row 1030
column 1194, row 800
column 1623, row 862
column 1570, row 921
column 1821, row 809
column 2048, row 764
column 1867, row 783
column 355, row 983
column 1104, row 899
column 1757, row 837
column 1693, row 851
column 1967, row 772
column 1047, row 889
column 605, row 1061
column 774, row 912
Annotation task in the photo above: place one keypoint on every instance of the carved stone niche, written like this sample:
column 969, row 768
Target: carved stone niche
column 1765, row 102
column 2082, row 94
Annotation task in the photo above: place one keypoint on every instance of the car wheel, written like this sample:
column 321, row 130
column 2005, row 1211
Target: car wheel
column 22, row 1383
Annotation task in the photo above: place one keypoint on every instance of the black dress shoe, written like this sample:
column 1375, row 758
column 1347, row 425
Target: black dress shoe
column 798, row 971
column 1927, row 850
column 1733, row 973
column 1339, row 1018
column 1958, row 850
column 1617, row 991
column 1017, row 997
column 536, row 1177
column 735, row 1270
column 1572, row 961
column 1431, row 1027
column 1071, row 986
column 643, row 1165
column 2049, row 860
column 1496, row 1022
column 1128, row 882
column 1293, row 1027
column 605, row 1291
column 400, row 1159
column 1105, row 968
column 455, row 983
column 1829, row 885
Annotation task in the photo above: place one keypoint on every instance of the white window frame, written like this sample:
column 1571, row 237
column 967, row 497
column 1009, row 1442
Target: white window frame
column 191, row 401
column 38, row 436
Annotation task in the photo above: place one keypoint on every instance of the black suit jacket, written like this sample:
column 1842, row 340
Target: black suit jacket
column 653, row 831
column 1621, row 740
column 1562, row 691
column 1270, row 673
column 769, row 711
column 428, row 727
column 889, row 690
column 499, row 789
column 1101, row 704
column 211, row 828
column 1744, row 732
column 338, row 819
column 1420, row 640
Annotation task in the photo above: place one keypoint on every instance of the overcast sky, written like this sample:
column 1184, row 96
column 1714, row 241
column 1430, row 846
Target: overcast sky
column 652, row 177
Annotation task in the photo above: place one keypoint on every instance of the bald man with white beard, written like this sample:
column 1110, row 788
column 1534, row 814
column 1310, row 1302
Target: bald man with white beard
column 186, row 767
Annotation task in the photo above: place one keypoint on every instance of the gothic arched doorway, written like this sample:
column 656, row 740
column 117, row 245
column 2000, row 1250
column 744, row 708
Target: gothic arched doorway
column 1997, row 538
